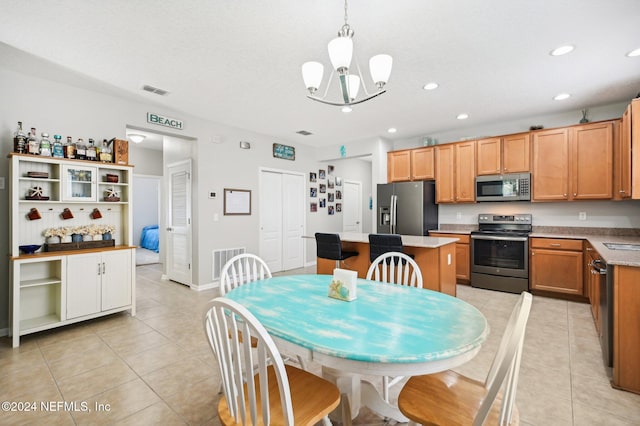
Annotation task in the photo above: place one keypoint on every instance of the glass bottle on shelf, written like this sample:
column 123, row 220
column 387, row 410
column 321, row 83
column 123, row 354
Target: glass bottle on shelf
column 58, row 149
column 45, row 145
column 69, row 148
column 105, row 152
column 91, row 151
column 33, row 142
column 81, row 150
column 19, row 140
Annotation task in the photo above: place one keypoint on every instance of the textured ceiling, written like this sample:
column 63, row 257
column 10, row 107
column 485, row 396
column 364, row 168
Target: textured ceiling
column 238, row 62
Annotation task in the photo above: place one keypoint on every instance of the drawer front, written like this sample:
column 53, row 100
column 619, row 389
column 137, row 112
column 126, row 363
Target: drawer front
column 556, row 243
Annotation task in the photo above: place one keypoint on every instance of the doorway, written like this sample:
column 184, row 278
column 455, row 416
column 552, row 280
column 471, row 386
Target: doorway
column 352, row 207
column 146, row 218
column 282, row 219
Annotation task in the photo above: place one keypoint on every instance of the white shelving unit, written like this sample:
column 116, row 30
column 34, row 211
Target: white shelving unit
column 40, row 292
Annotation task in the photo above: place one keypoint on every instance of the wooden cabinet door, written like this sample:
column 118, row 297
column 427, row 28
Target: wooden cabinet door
column 463, row 264
column 591, row 161
column 465, row 172
column 635, row 153
column 622, row 156
column 489, row 153
column 558, row 271
column 550, row 172
column 83, row 284
column 116, row 279
column 445, row 183
column 516, row 153
column 399, row 166
column 422, row 164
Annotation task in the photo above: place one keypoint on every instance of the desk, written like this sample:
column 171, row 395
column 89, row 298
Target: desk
column 388, row 330
column 435, row 256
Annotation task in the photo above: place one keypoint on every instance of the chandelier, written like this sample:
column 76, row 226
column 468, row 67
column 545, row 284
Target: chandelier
column 350, row 80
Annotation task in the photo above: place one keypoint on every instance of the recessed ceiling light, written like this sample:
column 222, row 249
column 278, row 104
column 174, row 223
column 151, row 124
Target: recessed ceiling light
column 561, row 97
column 347, row 109
column 136, row 138
column 562, row 50
column 462, row 116
column 634, row 53
column 430, row 86
column 392, row 130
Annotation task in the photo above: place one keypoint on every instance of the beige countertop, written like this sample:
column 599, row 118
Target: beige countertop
column 407, row 240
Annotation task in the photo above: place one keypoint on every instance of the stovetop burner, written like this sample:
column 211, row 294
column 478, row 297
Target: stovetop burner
column 517, row 224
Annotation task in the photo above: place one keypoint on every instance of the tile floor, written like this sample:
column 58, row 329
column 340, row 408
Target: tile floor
column 156, row 368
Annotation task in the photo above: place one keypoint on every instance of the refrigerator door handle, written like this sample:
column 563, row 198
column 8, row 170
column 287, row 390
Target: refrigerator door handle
column 394, row 204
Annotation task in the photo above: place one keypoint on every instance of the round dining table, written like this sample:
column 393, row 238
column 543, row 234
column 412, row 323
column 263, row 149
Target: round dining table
column 388, row 330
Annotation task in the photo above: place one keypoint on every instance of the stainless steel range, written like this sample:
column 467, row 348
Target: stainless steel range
column 500, row 252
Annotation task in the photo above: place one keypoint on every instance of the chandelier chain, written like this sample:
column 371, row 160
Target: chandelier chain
column 346, row 15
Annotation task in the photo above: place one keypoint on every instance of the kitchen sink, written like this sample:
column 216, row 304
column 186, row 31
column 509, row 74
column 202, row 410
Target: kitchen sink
column 622, row 246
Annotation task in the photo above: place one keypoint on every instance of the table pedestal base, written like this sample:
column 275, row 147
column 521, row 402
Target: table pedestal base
column 360, row 393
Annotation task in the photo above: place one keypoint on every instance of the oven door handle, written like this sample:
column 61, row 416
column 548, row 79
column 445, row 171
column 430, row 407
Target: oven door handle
column 498, row 238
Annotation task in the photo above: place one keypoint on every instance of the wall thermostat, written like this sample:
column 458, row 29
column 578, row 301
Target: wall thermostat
column 212, row 195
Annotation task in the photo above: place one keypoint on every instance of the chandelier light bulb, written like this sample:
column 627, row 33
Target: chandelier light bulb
column 353, row 86
column 312, row 75
column 340, row 53
column 380, row 68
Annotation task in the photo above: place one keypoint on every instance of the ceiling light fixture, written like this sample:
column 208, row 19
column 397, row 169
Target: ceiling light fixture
column 346, row 109
column 634, row 53
column 561, row 97
column 392, row 130
column 136, row 138
column 430, row 86
column 462, row 116
column 562, row 50
column 340, row 53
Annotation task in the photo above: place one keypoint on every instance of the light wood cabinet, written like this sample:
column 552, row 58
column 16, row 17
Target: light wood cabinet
column 556, row 265
column 574, row 163
column 463, row 256
column 592, row 283
column 54, row 288
column 634, row 142
column 455, row 172
column 423, row 164
column 626, row 333
column 399, row 166
column 414, row 164
column 507, row 154
column 622, row 156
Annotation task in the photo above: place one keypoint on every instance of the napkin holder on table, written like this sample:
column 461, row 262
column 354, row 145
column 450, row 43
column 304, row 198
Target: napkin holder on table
column 343, row 285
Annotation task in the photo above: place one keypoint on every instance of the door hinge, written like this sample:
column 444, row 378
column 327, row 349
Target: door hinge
column 189, row 266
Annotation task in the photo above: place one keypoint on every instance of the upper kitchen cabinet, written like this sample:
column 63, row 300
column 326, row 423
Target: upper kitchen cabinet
column 399, row 166
column 574, row 163
column 455, row 172
column 507, row 154
column 633, row 123
column 413, row 164
column 622, row 157
column 423, row 164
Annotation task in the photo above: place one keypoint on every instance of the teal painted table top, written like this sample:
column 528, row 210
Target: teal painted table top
column 386, row 324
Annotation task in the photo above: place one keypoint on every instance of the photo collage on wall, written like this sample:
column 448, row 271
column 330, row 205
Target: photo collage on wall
column 325, row 191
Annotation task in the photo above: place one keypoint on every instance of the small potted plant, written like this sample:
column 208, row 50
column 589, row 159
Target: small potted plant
column 52, row 235
column 107, row 232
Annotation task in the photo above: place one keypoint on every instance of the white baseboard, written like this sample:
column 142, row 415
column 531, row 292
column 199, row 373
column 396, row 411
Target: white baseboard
column 4, row 332
column 206, row 286
column 306, row 265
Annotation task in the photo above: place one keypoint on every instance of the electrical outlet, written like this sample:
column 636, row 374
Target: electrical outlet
column 582, row 216
column 459, row 215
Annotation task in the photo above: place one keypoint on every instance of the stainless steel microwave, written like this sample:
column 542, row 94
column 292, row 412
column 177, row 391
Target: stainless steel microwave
column 508, row 187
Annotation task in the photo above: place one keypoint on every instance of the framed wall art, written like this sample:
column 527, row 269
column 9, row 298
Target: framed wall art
column 237, row 201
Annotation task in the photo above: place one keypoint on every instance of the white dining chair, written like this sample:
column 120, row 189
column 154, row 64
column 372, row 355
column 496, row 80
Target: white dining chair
column 242, row 269
column 395, row 268
column 275, row 393
column 453, row 399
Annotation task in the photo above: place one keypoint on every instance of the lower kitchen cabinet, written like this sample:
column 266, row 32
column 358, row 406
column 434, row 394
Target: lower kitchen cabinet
column 98, row 282
column 556, row 265
column 626, row 333
column 463, row 260
column 51, row 290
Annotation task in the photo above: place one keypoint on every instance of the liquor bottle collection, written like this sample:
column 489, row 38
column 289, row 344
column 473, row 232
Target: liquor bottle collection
column 79, row 150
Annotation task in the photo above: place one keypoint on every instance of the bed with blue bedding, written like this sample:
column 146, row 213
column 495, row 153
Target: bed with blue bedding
column 149, row 238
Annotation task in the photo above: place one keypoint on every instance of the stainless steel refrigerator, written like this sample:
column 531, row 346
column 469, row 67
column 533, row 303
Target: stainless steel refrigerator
column 407, row 208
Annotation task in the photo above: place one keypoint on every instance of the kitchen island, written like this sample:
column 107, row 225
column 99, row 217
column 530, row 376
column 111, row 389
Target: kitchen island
column 434, row 255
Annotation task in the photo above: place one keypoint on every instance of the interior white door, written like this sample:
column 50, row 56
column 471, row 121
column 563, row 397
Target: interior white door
column 179, row 223
column 293, row 209
column 352, row 207
column 271, row 219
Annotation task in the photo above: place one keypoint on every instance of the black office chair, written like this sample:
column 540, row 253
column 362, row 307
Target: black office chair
column 329, row 246
column 384, row 243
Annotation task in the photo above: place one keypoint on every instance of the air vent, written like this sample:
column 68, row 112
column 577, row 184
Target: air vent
column 155, row 90
column 304, row 133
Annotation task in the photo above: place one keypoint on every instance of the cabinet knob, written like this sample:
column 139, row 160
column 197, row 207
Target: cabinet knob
column 622, row 191
column 564, row 195
column 575, row 194
column 554, row 245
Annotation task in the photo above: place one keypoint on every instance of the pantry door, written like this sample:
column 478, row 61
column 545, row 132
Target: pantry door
column 179, row 223
column 282, row 219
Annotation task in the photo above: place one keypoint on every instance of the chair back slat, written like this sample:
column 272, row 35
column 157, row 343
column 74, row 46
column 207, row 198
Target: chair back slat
column 506, row 364
column 396, row 268
column 230, row 328
column 242, row 269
